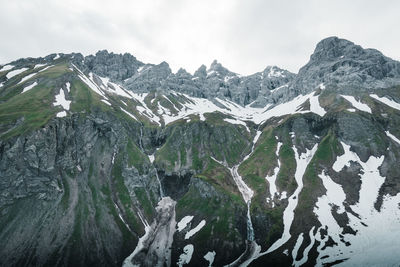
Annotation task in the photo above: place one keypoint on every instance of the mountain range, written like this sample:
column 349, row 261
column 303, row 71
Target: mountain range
column 109, row 161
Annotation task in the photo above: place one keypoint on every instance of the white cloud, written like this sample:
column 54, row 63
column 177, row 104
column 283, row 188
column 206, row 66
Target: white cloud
column 245, row 36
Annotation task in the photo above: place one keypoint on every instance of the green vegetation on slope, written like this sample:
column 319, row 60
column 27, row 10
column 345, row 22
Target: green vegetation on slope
column 259, row 164
column 189, row 145
column 324, row 156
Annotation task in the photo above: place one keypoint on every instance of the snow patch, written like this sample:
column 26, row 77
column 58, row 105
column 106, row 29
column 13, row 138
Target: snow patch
column 304, row 259
column 228, row 78
column 323, row 208
column 15, row 72
column 210, row 256
column 130, row 115
column 302, row 162
column 193, row 231
column 39, row 66
column 316, row 107
column 106, row 102
column 345, row 159
column 357, row 104
column 29, row 87
column 297, row 246
column 394, row 138
column 273, row 72
column 61, row 114
column 246, row 192
column 151, row 158
column 46, row 68
column 387, row 101
column 90, row 84
column 6, row 67
column 278, row 88
column 27, row 77
column 238, row 122
column 272, row 179
column 60, row 100
column 186, row 256
column 184, row 222
column 256, row 137
column 68, row 86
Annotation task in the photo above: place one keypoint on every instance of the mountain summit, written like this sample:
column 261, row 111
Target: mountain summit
column 109, row 161
column 347, row 66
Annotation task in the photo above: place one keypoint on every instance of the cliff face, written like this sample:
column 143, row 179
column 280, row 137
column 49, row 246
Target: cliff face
column 107, row 161
column 62, row 189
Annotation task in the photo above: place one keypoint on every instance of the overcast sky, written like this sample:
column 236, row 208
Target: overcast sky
column 245, row 36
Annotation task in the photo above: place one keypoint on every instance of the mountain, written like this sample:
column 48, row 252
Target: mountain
column 109, row 161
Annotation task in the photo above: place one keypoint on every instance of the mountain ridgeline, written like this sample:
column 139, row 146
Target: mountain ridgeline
column 108, row 161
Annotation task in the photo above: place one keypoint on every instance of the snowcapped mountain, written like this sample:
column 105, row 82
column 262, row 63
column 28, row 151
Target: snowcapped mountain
column 109, row 161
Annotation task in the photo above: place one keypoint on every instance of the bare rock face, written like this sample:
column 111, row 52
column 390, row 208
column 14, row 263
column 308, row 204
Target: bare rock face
column 117, row 67
column 346, row 66
column 148, row 78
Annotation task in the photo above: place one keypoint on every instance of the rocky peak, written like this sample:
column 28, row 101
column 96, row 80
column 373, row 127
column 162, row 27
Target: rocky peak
column 216, row 68
column 333, row 48
column 182, row 72
column 201, row 71
column 214, row 65
column 117, row 67
column 164, row 66
column 275, row 72
column 150, row 78
column 346, row 66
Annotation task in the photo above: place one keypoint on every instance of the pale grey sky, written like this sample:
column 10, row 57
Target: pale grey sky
column 244, row 35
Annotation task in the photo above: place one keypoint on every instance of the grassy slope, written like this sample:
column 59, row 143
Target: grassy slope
column 33, row 107
column 199, row 140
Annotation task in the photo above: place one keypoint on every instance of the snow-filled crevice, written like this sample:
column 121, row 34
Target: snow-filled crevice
column 302, row 162
column 272, row 178
column 304, row 259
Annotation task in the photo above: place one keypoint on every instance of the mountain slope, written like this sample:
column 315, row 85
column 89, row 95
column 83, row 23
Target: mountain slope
column 106, row 161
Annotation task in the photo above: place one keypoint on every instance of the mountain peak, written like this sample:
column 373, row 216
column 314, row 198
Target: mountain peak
column 333, row 47
column 217, row 67
column 214, row 63
column 346, row 65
